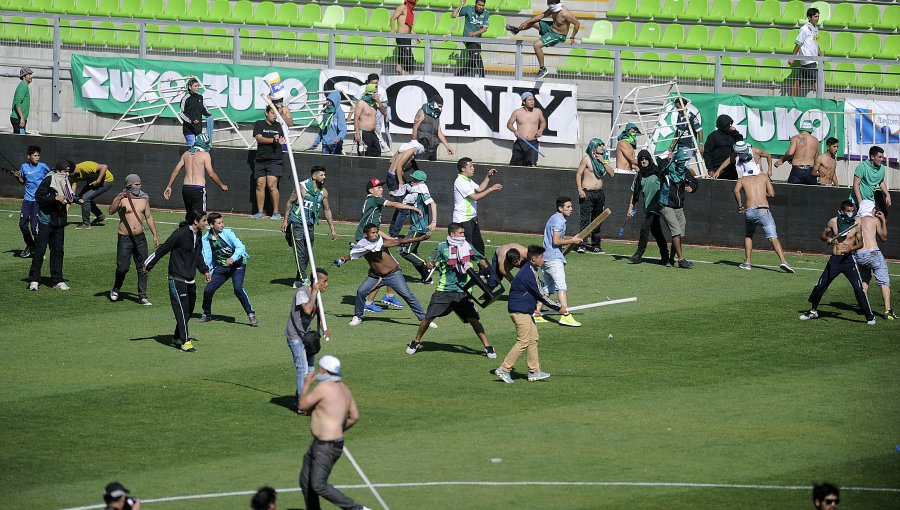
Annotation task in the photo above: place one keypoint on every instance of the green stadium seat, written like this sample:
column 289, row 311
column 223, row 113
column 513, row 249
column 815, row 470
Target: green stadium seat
column 673, row 37
column 698, row 67
column 866, row 17
column 35, row 6
column 309, row 45
column 174, row 10
column 375, row 2
column 288, row 16
column 87, row 8
column 286, row 43
column 672, row 66
column 741, row 71
column 197, row 10
column 601, row 31
column 351, row 48
column 843, row 75
column 890, row 80
column 333, row 15
column 444, row 54
column 787, row 45
column 824, row 41
column 104, row 34
column 39, row 30
column 890, row 18
column 170, row 38
column 629, row 60
column 61, row 7
column 794, row 13
column 241, row 12
column 744, row 12
column 891, row 49
column 697, row 38
column 128, row 36
column 869, row 76
column 194, row 38
column 868, row 46
column 354, row 19
column 842, row 44
column 824, row 11
column 769, row 11
column 696, row 11
column 647, row 65
column 720, row 39
column 10, row 5
column 626, row 33
column 648, row 9
column 379, row 49
column 82, row 32
column 601, row 62
column 842, row 15
column 219, row 11
column 745, row 40
column 425, row 22
column 219, row 40
column 649, row 36
column 379, row 20
column 445, row 25
column 576, row 62
column 265, row 14
column 131, row 8
column 311, row 13
column 263, row 41
column 623, row 9
column 771, row 70
column 769, row 40
column 673, row 10
column 104, row 8
column 496, row 27
column 152, row 9
column 718, row 11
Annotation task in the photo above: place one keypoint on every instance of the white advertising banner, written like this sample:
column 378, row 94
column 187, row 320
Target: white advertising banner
column 473, row 107
column 870, row 123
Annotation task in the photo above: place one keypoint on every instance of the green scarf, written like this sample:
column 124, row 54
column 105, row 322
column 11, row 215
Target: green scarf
column 431, row 112
column 327, row 115
column 369, row 100
column 597, row 164
column 844, row 222
column 628, row 137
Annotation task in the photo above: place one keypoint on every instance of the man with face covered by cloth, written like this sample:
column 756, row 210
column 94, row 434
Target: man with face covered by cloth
column 364, row 121
column 719, row 147
column 626, row 145
column 648, row 180
column 332, row 126
column 427, row 124
column 591, row 199
column 133, row 207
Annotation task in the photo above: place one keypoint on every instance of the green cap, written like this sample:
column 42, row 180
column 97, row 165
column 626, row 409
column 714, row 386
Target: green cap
column 419, row 175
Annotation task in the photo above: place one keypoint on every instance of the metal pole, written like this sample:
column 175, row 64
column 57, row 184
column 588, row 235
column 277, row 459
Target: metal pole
column 142, row 40
column 717, row 79
column 332, row 54
column 57, row 50
column 617, row 85
column 518, row 60
column 236, row 47
column 820, row 79
column 427, row 69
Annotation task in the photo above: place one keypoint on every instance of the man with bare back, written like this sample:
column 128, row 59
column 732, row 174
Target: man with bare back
column 552, row 33
column 364, row 124
column 869, row 258
column 333, row 410
column 197, row 163
column 133, row 206
column 506, row 257
column 802, row 154
column 626, row 145
column 825, row 169
column 404, row 18
column 529, row 125
column 757, row 188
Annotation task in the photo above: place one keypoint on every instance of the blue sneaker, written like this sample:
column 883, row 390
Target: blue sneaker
column 276, row 216
column 258, row 215
column 372, row 307
column 391, row 301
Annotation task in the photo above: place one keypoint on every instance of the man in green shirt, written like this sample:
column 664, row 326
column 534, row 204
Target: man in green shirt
column 21, row 105
column 868, row 177
column 416, row 193
column 476, row 24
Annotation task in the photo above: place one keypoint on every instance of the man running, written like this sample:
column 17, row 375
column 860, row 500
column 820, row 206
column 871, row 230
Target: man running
column 552, row 33
column 527, row 124
column 197, row 163
column 757, row 187
column 802, row 153
column 133, row 206
column 825, row 169
column 869, row 258
column 226, row 256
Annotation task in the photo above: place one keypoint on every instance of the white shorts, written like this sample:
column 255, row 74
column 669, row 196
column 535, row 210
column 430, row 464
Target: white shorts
column 554, row 276
column 625, row 171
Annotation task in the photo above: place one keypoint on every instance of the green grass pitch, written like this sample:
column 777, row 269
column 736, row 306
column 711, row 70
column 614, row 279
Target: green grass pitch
column 711, row 394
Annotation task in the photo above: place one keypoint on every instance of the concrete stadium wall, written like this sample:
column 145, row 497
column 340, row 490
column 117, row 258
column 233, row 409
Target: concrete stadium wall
column 524, row 204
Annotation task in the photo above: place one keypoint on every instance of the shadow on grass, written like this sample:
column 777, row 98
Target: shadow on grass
column 452, row 348
column 16, row 253
column 738, row 264
column 123, row 296
column 224, row 318
column 288, row 282
column 232, row 383
column 287, row 402
column 166, row 340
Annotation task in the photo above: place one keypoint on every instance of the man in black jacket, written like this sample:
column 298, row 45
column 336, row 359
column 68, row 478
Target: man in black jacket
column 52, row 196
column 192, row 112
column 719, row 147
column 186, row 245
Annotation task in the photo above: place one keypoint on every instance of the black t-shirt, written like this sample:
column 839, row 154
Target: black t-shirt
column 267, row 151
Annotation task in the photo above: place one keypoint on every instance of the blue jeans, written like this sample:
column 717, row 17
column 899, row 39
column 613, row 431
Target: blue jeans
column 398, row 220
column 88, row 194
column 760, row 216
column 301, row 362
column 221, row 274
column 28, row 222
column 395, row 281
column 189, row 139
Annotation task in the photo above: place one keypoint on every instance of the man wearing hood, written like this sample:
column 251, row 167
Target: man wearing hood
column 719, row 148
column 196, row 162
column 626, row 145
column 529, row 125
column 868, row 177
column 332, row 126
column 427, row 124
column 364, row 122
column 648, row 180
column 802, row 153
column 676, row 180
column 133, row 206
column 52, row 195
column 591, row 199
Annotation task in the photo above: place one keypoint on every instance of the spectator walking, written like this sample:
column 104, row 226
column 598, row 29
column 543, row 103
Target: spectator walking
column 314, row 199
column 364, row 123
column 806, row 45
column 226, row 256
column 302, row 339
column 649, row 182
column 868, row 178
column 591, row 198
column 197, row 163
column 21, row 103
column 466, row 195
column 802, row 153
column 555, row 261
column 269, row 161
column 53, row 196
column 192, row 113
column 332, row 126
column 527, row 124
column 676, row 181
column 133, row 206
column 30, row 174
column 476, row 24
column 427, row 124
column 97, row 180
column 869, row 258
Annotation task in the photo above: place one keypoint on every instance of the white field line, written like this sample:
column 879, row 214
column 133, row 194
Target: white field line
column 513, row 484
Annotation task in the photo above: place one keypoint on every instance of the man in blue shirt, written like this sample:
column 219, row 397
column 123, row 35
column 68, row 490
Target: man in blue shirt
column 555, row 261
column 31, row 173
column 476, row 24
column 226, row 257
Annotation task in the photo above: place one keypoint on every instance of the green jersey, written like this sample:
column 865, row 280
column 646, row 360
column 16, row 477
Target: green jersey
column 474, row 21
column 449, row 280
column 221, row 251
column 371, row 214
column 22, row 99
column 312, row 202
column 869, row 180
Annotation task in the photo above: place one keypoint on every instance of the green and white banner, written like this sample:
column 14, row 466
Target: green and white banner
column 766, row 122
column 111, row 85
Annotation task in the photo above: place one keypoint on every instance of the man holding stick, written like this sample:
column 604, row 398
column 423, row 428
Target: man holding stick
column 555, row 261
column 529, row 125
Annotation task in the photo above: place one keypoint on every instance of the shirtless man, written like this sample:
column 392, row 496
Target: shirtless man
column 513, row 255
column 133, row 206
column 591, row 198
column 802, row 154
column 404, row 12
column 869, row 258
column 841, row 261
column 364, row 125
column 825, row 169
column 529, row 124
column 383, row 269
column 626, row 160
column 197, row 163
column 757, row 188
column 333, row 411
column 552, row 33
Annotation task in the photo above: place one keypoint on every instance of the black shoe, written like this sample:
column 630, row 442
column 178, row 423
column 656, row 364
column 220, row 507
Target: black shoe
column 596, row 249
column 580, row 249
column 26, row 252
column 513, row 29
column 635, row 259
column 99, row 220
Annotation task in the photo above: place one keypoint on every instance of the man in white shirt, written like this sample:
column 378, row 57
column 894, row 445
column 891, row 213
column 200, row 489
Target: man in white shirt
column 466, row 195
column 806, row 45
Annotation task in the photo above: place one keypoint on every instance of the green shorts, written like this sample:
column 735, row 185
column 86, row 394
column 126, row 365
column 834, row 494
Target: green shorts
column 549, row 37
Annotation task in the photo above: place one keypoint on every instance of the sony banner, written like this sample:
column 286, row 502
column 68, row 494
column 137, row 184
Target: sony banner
column 872, row 123
column 473, row 107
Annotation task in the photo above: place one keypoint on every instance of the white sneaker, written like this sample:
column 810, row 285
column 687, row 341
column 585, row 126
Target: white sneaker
column 355, row 321
column 113, row 295
column 61, row 286
column 33, row 286
column 432, row 325
column 145, row 302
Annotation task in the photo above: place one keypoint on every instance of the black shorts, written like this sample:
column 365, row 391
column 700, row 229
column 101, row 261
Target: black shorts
column 523, row 155
column 442, row 303
column 802, row 174
column 266, row 168
column 373, row 145
column 194, row 197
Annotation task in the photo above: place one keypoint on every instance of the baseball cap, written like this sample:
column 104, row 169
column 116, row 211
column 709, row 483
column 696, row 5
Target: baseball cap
column 114, row 490
column 807, row 126
column 419, row 175
column 526, row 95
column 330, row 364
column 866, row 208
column 374, row 183
column 25, row 71
column 631, row 125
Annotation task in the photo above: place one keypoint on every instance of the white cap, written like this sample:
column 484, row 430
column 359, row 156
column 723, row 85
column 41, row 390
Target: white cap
column 866, row 207
column 330, row 364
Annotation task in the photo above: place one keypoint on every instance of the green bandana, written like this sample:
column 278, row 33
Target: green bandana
column 369, row 100
column 844, row 222
column 597, row 164
column 628, row 137
column 327, row 115
column 431, row 112
column 201, row 143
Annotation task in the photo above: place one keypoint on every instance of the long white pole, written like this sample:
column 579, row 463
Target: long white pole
column 365, row 479
column 602, row 303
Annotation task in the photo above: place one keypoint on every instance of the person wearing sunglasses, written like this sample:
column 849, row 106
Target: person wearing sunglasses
column 826, row 495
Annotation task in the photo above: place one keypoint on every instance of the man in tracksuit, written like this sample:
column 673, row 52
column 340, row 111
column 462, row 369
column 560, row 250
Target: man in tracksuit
column 226, row 256
column 524, row 293
column 192, row 112
column 187, row 257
